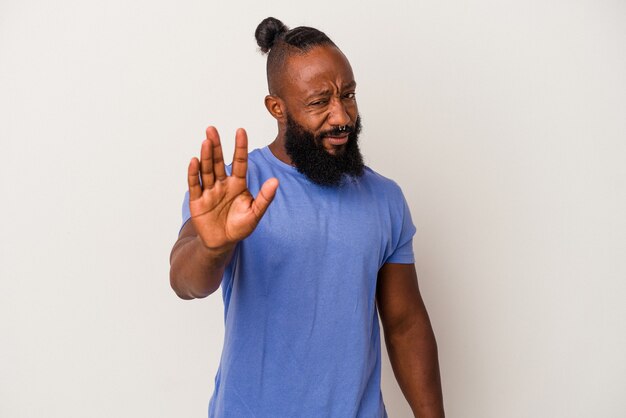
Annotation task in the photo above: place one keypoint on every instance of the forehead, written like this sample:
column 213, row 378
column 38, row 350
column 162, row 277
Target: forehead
column 321, row 68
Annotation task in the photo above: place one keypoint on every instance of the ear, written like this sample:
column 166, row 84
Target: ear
column 275, row 106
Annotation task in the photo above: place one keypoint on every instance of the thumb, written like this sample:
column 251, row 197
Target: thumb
column 265, row 197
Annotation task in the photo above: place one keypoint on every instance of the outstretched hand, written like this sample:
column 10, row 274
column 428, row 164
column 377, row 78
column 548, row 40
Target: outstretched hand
column 222, row 209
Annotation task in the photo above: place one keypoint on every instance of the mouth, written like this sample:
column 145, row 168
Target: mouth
column 337, row 139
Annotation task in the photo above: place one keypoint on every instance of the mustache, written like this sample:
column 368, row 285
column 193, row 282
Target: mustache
column 337, row 131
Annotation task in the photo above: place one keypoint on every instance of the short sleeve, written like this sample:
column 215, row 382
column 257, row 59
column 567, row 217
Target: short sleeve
column 185, row 210
column 403, row 231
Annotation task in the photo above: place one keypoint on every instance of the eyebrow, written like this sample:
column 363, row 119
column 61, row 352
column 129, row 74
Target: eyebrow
column 327, row 92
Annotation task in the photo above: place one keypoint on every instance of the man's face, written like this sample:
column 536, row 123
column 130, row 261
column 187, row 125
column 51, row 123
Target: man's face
column 322, row 115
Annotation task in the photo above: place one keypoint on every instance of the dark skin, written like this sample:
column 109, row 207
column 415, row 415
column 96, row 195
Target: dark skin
column 317, row 90
column 410, row 339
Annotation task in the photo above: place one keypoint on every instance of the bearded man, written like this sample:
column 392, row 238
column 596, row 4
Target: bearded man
column 307, row 266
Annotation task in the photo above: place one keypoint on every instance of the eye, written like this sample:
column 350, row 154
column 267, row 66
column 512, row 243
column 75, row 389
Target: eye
column 320, row 102
column 350, row 96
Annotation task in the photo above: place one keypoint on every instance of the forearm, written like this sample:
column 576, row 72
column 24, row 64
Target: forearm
column 414, row 359
column 196, row 271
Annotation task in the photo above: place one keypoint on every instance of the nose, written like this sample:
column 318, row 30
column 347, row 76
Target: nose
column 337, row 114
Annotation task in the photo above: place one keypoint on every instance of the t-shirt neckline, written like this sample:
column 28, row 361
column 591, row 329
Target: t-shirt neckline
column 270, row 157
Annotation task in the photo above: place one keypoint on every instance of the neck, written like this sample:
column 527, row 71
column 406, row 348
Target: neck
column 278, row 149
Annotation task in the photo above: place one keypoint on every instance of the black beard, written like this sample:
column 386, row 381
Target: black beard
column 314, row 161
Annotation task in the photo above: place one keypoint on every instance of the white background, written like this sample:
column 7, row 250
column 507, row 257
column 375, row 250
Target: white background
column 503, row 121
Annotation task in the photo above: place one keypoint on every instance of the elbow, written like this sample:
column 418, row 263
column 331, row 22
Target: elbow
column 187, row 289
column 187, row 293
column 410, row 331
column 183, row 290
column 190, row 279
column 181, row 293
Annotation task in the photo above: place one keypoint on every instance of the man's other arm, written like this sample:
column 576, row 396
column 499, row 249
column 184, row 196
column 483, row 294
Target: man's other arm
column 410, row 339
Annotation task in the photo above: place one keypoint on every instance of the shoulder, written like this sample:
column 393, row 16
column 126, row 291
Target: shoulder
column 380, row 183
column 256, row 156
column 256, row 162
column 260, row 168
column 258, row 159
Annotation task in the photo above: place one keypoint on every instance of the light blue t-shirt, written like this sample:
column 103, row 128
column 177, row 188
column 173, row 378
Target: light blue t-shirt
column 301, row 326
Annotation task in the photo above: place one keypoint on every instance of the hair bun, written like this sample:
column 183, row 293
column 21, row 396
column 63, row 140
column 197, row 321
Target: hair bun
column 268, row 31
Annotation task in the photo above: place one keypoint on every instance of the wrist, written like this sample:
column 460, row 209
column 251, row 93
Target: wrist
column 214, row 253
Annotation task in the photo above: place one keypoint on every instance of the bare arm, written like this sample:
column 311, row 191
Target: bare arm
column 410, row 339
column 195, row 271
column 223, row 212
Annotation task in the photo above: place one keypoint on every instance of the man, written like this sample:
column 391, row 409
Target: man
column 305, row 267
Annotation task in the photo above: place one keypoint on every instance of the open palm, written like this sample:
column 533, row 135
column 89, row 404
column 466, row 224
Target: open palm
column 222, row 209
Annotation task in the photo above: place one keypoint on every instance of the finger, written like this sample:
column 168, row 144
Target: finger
column 265, row 197
column 240, row 159
column 206, row 164
column 195, row 190
column 218, row 158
